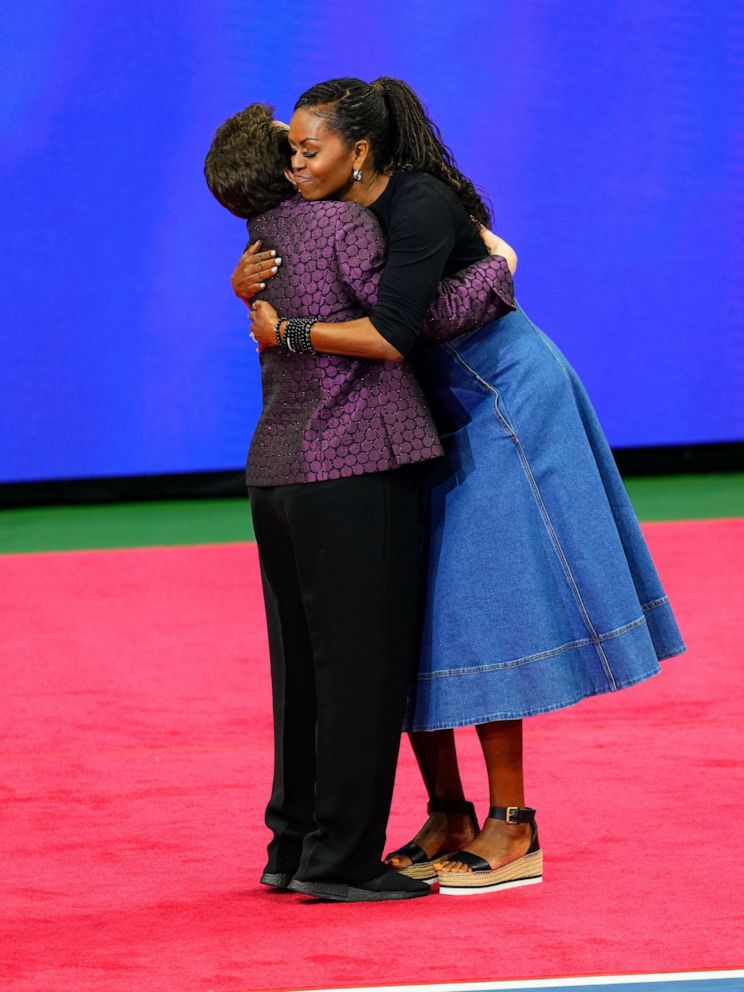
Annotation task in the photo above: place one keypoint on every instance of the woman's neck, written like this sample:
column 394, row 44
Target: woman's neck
column 367, row 191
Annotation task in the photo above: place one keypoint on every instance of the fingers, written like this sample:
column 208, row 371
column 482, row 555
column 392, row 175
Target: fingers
column 245, row 290
column 265, row 270
column 253, row 269
column 257, row 267
column 256, row 257
column 261, row 311
column 253, row 248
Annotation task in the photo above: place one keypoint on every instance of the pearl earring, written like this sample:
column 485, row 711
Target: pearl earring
column 356, row 175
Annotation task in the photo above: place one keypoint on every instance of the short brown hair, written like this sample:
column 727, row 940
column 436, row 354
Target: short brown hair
column 245, row 164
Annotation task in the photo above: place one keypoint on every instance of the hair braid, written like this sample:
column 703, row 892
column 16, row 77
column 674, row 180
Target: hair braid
column 390, row 115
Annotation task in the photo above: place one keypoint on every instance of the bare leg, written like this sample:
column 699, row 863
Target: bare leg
column 499, row 842
column 437, row 760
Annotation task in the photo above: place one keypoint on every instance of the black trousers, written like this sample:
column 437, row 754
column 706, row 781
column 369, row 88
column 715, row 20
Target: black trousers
column 341, row 579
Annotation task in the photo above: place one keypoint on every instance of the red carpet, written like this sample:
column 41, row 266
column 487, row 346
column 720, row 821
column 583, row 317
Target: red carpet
column 135, row 760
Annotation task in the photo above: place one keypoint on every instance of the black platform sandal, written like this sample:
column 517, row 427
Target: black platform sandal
column 422, row 866
column 527, row 870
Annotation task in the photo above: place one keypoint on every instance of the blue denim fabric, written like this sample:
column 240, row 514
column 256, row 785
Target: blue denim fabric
column 541, row 587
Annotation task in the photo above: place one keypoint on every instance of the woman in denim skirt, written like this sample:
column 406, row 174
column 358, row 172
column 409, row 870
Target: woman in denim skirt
column 541, row 589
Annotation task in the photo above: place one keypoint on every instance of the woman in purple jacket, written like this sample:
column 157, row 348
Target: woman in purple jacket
column 334, row 478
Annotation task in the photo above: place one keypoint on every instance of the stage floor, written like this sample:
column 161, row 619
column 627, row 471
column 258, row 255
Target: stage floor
column 135, row 759
column 723, row 981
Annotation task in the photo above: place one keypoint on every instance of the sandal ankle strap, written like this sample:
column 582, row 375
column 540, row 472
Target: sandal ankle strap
column 461, row 806
column 512, row 814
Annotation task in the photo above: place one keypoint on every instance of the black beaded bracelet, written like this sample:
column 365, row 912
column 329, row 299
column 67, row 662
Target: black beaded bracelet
column 290, row 335
column 297, row 337
column 307, row 344
column 278, row 333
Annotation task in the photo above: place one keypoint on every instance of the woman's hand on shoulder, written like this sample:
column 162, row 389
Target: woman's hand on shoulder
column 497, row 246
column 263, row 321
column 253, row 269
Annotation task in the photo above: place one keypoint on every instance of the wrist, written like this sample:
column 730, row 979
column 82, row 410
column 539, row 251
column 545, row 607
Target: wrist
column 295, row 336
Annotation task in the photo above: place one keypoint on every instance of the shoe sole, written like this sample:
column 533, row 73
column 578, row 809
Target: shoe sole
column 422, row 873
column 527, row 870
column 276, row 879
column 348, row 893
column 476, row 890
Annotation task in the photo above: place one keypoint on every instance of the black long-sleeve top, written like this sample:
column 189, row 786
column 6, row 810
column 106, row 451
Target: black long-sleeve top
column 429, row 236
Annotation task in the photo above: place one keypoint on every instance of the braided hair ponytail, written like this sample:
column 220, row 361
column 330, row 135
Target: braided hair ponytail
column 391, row 117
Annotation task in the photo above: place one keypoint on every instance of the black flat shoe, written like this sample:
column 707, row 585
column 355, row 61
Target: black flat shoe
column 276, row 879
column 422, row 866
column 390, row 885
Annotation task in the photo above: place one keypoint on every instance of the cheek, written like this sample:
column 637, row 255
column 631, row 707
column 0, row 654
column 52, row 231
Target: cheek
column 327, row 172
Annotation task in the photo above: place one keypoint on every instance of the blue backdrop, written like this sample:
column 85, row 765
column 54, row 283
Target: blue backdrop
column 608, row 136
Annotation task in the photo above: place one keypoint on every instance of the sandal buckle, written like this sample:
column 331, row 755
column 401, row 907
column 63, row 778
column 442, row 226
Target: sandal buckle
column 512, row 814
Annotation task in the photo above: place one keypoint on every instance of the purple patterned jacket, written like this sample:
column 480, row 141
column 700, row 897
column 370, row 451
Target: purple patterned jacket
column 326, row 416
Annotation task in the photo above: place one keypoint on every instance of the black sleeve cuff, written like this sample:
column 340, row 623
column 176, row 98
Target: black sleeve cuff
column 401, row 338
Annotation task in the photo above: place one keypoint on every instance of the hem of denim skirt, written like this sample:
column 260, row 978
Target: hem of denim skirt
column 524, row 714
column 584, row 642
column 673, row 654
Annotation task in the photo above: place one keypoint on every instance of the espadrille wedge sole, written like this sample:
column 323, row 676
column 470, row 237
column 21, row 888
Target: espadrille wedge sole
column 422, row 866
column 424, row 872
column 527, row 870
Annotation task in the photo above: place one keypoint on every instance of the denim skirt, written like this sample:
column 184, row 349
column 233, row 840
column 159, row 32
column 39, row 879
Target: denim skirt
column 541, row 589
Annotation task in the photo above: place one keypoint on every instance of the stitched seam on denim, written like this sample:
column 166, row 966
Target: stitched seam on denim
column 530, row 658
column 546, row 518
column 520, row 715
column 541, row 505
column 502, row 417
column 654, row 603
column 548, row 345
column 491, row 389
column 486, row 385
column 564, row 563
column 680, row 649
column 619, row 631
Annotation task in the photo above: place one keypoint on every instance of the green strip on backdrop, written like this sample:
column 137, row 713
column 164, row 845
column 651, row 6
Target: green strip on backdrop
column 126, row 525
column 216, row 521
